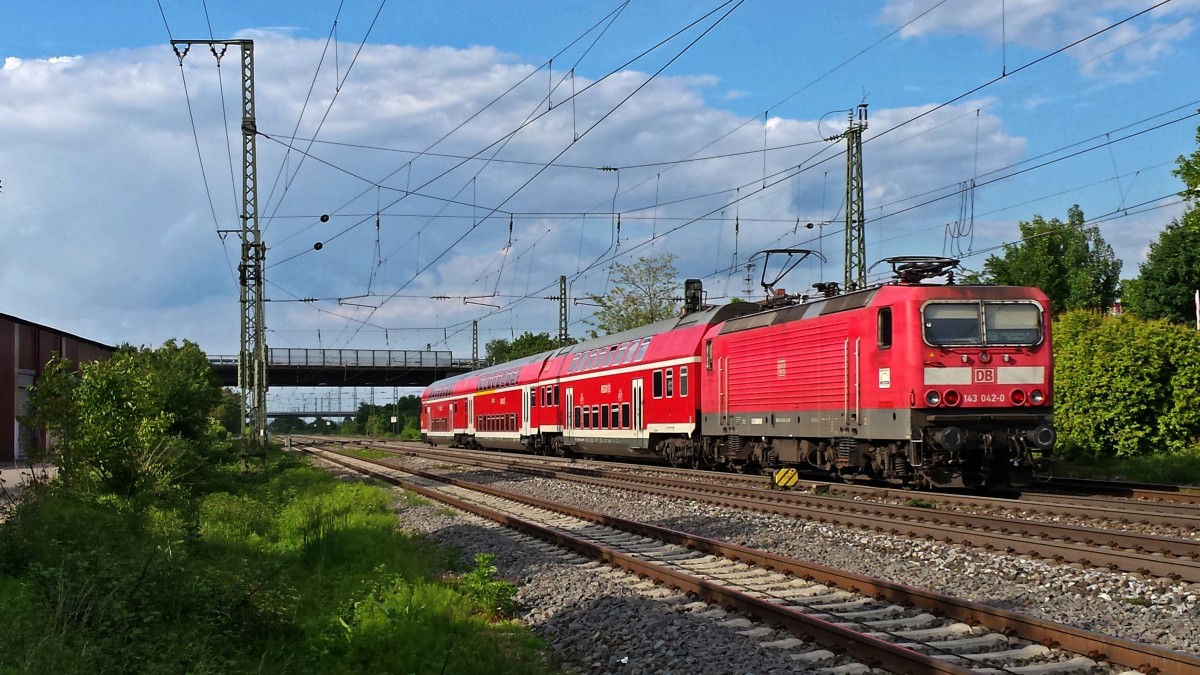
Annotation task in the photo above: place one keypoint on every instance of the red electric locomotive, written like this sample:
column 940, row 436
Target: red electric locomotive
column 912, row 383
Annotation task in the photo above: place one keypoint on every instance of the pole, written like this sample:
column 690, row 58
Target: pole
column 252, row 358
column 562, row 310
column 856, row 244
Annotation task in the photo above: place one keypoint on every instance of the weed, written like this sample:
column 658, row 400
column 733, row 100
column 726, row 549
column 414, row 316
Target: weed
column 492, row 596
column 918, row 503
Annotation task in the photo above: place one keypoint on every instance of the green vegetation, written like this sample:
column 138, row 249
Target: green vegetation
column 1070, row 262
column 285, row 569
column 1167, row 283
column 642, row 293
column 153, row 552
column 1167, row 469
column 526, row 344
column 1125, row 386
column 370, row 420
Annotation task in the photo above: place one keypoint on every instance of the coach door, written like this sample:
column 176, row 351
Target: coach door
column 526, row 409
column 639, row 425
column 569, row 418
column 851, row 401
column 471, row 415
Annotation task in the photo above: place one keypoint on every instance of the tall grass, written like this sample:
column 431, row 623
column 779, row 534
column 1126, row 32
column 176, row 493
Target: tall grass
column 281, row 570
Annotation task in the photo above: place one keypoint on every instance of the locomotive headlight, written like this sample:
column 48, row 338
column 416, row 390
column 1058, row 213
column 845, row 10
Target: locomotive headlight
column 1036, row 397
column 984, row 357
column 932, row 397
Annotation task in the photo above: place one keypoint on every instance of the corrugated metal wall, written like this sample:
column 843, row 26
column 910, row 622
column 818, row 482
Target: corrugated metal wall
column 24, row 350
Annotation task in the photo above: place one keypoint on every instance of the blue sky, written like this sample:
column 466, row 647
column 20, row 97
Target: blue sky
column 110, row 232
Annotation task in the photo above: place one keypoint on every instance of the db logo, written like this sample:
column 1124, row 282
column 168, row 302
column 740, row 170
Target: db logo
column 985, row 376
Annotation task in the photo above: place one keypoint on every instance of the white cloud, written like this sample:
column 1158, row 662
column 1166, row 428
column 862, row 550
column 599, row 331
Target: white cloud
column 105, row 203
column 1126, row 52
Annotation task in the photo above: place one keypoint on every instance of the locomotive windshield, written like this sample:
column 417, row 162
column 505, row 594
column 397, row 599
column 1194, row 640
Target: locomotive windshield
column 982, row 323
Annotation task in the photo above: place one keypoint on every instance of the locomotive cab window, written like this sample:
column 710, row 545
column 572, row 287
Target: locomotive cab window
column 708, row 354
column 982, row 323
column 884, row 337
column 1012, row 323
column 952, row 323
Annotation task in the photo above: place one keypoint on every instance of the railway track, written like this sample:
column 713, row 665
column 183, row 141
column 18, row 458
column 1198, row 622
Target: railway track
column 1168, row 557
column 899, row 628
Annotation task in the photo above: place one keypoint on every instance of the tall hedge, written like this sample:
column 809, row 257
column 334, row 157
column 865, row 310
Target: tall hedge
column 1125, row 386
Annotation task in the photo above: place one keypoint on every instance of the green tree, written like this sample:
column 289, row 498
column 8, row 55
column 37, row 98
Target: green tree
column 378, row 425
column 527, row 344
column 642, row 294
column 1168, row 280
column 1070, row 262
column 287, row 425
column 135, row 423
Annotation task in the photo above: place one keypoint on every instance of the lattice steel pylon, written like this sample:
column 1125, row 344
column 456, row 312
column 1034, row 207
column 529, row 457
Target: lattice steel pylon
column 856, row 242
column 252, row 358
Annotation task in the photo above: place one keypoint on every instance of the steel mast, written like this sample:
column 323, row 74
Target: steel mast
column 856, row 243
column 252, row 358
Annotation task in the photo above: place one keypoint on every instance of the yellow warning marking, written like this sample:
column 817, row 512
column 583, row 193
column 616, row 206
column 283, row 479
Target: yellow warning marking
column 785, row 478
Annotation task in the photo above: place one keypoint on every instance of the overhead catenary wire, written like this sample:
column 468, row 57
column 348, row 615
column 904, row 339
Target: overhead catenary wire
column 656, row 201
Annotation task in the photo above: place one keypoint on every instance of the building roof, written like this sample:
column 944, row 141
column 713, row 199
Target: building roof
column 26, row 322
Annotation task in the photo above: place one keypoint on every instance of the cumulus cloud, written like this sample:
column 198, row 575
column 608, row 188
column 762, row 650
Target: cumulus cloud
column 107, row 206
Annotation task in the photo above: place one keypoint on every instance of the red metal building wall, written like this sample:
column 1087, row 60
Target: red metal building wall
column 8, row 388
column 26, row 346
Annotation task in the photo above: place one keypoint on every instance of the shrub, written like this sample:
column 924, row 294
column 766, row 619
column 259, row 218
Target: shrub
column 1125, row 386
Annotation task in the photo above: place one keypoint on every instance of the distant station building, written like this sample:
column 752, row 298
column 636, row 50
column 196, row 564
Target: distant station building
column 25, row 348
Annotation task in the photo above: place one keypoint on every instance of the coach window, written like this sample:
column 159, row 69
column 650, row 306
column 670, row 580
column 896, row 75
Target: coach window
column 621, row 353
column 658, row 384
column 616, row 416
column 632, row 350
column 591, row 359
column 885, row 328
column 683, row 373
column 624, row 415
column 595, row 417
column 670, row 382
column 611, row 357
column 604, row 421
column 574, row 363
column 577, row 419
column 512, row 421
column 642, row 350
column 555, row 395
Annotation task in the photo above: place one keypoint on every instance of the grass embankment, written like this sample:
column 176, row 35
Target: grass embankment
column 284, row 569
column 1170, row 469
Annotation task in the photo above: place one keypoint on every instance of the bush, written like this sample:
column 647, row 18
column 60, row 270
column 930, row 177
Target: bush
column 1125, row 386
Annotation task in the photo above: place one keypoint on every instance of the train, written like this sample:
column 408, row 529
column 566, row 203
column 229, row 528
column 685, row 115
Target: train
column 916, row 384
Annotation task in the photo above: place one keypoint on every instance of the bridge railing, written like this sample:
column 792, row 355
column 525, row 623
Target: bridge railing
column 349, row 358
